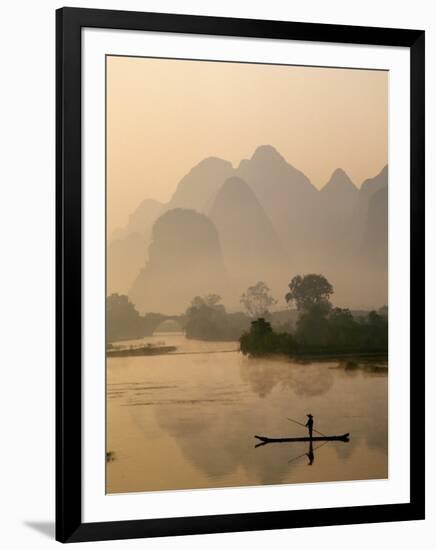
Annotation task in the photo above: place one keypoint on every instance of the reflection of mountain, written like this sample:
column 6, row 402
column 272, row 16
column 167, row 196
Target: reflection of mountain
column 184, row 260
column 211, row 447
column 371, row 421
column 212, row 413
column 271, row 223
column 263, row 376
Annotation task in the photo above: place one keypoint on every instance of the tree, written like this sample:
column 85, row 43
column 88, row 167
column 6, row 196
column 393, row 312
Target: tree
column 344, row 330
column 376, row 333
column 257, row 300
column 384, row 311
column 262, row 340
column 123, row 320
column 212, row 300
column 312, row 329
column 206, row 318
column 310, row 292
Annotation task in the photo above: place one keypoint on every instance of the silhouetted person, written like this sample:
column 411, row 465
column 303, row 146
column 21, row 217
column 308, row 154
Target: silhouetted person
column 310, row 455
column 309, row 425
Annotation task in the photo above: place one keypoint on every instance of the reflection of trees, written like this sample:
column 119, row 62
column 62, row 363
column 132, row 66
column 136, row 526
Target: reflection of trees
column 372, row 368
column 206, row 440
column 263, row 376
column 367, row 417
column 214, row 428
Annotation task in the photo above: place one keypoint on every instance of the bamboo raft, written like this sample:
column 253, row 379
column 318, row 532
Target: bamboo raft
column 344, row 437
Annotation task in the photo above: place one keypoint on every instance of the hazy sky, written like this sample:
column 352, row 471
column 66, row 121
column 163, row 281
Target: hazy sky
column 165, row 116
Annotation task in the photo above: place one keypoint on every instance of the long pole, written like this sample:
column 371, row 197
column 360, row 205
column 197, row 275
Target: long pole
column 300, row 424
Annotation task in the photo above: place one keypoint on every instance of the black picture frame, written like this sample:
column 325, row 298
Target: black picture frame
column 69, row 525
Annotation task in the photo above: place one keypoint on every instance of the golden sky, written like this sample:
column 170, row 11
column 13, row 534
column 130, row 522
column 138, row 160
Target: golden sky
column 165, row 116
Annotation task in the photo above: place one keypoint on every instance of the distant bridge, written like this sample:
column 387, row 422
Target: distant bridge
column 152, row 321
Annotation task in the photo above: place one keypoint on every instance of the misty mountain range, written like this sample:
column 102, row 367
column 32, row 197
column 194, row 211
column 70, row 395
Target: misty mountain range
column 226, row 228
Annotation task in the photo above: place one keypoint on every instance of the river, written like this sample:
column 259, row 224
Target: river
column 187, row 419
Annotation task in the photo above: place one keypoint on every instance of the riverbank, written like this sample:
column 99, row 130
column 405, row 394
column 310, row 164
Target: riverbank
column 139, row 351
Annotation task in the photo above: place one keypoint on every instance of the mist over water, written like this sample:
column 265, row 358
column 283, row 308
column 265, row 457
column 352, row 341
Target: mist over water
column 187, row 420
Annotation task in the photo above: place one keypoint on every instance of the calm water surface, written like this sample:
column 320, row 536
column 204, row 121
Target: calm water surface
column 187, row 420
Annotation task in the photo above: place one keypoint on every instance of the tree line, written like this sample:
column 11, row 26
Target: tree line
column 321, row 328
column 315, row 326
column 124, row 322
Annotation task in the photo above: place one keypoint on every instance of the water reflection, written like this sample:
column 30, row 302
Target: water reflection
column 264, row 375
column 188, row 421
column 310, row 453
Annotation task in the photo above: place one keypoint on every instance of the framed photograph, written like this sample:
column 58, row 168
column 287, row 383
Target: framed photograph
column 240, row 274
